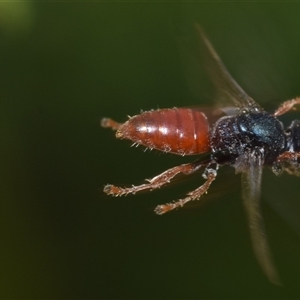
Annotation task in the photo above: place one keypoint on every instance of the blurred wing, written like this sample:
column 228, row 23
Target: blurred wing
column 251, row 195
column 230, row 92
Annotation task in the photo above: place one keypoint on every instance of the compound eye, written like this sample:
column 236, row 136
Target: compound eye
column 243, row 124
column 243, row 127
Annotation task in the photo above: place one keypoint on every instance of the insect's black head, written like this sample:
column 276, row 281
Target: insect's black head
column 294, row 131
column 262, row 130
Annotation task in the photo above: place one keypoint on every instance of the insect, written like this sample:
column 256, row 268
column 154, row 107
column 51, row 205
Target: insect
column 244, row 136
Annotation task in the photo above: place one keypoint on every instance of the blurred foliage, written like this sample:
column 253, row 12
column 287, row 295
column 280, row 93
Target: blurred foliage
column 16, row 18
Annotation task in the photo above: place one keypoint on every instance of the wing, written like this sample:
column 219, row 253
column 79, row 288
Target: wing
column 230, row 92
column 251, row 183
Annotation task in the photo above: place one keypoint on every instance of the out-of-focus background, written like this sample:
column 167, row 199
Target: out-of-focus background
column 64, row 66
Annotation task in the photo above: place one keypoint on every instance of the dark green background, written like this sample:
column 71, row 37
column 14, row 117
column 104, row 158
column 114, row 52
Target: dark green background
column 64, row 66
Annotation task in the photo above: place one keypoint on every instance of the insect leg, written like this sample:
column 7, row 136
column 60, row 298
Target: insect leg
column 288, row 156
column 287, row 106
column 157, row 181
column 292, row 170
column 110, row 123
column 209, row 174
column 292, row 158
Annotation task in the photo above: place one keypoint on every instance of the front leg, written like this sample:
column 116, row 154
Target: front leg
column 287, row 106
column 292, row 159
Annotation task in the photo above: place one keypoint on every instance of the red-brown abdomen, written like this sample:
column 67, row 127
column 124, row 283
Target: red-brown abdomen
column 180, row 131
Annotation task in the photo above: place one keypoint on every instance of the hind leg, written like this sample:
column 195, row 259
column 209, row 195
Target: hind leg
column 209, row 174
column 157, row 181
column 110, row 123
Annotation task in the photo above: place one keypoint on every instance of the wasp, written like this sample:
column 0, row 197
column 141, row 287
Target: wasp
column 243, row 136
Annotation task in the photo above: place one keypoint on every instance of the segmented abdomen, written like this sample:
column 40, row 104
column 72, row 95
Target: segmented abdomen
column 180, row 131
